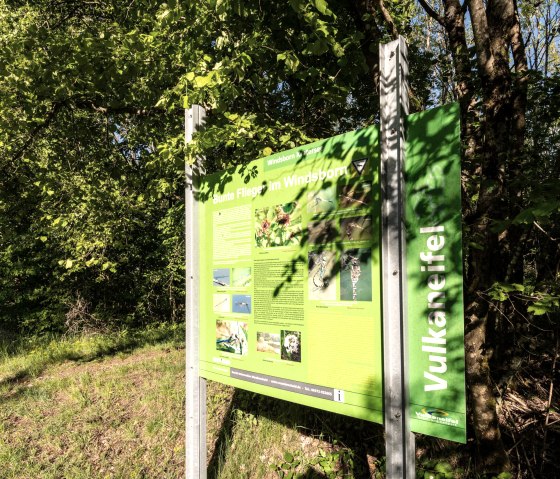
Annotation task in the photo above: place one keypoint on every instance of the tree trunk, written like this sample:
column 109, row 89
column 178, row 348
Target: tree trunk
column 496, row 33
column 492, row 153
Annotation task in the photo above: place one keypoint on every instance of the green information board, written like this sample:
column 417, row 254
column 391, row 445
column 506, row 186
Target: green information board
column 290, row 299
column 435, row 274
column 290, row 275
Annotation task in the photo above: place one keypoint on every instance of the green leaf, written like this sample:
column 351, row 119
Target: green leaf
column 538, row 309
column 443, row 467
column 69, row 263
column 323, row 7
column 505, row 475
column 288, row 457
column 319, row 47
column 201, row 82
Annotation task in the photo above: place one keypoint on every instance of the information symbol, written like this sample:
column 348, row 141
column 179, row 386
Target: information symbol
column 339, row 395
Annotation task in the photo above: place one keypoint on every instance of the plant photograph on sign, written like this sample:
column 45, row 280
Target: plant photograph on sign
column 321, row 284
column 321, row 232
column 221, row 303
column 241, row 303
column 268, row 343
column 220, row 277
column 291, row 345
column 355, row 275
column 354, row 196
column 241, row 277
column 278, row 225
column 321, row 201
column 357, row 228
column 231, row 337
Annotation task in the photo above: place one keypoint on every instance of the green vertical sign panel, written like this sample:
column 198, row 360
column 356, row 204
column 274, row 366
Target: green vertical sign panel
column 290, row 276
column 435, row 274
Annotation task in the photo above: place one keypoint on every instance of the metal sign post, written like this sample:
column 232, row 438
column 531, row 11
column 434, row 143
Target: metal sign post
column 195, row 385
column 399, row 441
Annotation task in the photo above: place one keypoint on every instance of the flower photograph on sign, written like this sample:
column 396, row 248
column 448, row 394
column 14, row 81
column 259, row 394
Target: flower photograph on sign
column 278, row 225
column 291, row 345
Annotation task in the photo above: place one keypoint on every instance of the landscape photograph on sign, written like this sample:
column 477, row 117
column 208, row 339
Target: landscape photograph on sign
column 268, row 343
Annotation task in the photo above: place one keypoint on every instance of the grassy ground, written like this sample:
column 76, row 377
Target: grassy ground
column 266, row 438
column 112, row 406
column 98, row 407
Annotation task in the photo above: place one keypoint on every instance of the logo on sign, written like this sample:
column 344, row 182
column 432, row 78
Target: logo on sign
column 359, row 165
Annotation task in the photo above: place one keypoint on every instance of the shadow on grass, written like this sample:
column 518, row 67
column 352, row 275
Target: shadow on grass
column 25, row 358
column 364, row 439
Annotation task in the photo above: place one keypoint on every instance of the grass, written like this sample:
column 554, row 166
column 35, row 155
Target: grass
column 95, row 407
column 27, row 357
column 266, row 438
column 112, row 406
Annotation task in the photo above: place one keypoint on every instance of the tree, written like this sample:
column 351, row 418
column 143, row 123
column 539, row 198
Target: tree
column 91, row 197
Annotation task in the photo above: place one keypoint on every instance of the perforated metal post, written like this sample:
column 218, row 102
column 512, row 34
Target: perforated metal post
column 399, row 441
column 195, row 385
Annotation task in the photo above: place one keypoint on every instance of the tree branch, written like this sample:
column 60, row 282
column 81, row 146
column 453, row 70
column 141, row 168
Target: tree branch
column 388, row 19
column 38, row 128
column 126, row 109
column 431, row 12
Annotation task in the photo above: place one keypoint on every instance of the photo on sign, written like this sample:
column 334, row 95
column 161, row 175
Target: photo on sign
column 357, row 228
column 354, row 196
column 220, row 277
column 321, row 284
column 241, row 277
column 268, row 343
column 321, row 232
column 355, row 275
column 231, row 337
column 278, row 225
column 241, row 303
column 321, row 201
column 290, row 345
column 221, row 303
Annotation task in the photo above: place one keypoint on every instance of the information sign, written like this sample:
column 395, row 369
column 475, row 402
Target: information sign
column 435, row 274
column 290, row 276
